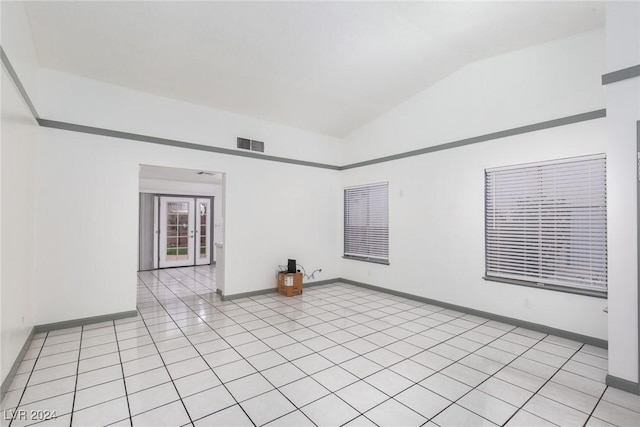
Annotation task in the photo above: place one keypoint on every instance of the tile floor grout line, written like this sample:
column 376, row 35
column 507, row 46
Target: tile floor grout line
column 257, row 371
column 211, row 369
column 243, row 358
column 170, row 377
column 176, row 305
column 75, row 386
column 124, row 381
column 339, row 344
column 517, row 356
column 66, row 363
column 24, row 390
column 413, row 383
column 486, row 379
column 595, row 406
column 512, row 330
column 395, row 338
column 302, row 342
column 521, row 408
column 440, row 371
column 459, row 359
column 573, row 373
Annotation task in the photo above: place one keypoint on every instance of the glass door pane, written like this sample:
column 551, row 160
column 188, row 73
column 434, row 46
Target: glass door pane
column 177, row 232
column 203, row 227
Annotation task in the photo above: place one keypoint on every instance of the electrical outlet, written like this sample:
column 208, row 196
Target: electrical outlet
column 527, row 303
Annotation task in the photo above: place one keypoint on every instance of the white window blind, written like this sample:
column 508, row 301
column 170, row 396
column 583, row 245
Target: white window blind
column 366, row 222
column 547, row 223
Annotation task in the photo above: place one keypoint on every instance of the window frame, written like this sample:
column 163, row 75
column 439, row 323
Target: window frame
column 599, row 285
column 374, row 245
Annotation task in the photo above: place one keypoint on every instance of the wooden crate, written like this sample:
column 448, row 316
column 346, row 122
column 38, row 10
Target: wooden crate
column 295, row 281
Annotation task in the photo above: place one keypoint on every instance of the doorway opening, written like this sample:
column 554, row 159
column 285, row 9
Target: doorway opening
column 184, row 234
column 180, row 215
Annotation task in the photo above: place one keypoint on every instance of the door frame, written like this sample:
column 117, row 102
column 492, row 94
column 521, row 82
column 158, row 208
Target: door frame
column 209, row 228
column 156, row 226
column 187, row 225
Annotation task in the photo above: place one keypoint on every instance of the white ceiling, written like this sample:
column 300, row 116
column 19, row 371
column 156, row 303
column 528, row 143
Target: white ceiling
column 328, row 67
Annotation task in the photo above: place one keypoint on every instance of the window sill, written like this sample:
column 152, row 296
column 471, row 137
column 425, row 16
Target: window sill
column 371, row 260
column 566, row 289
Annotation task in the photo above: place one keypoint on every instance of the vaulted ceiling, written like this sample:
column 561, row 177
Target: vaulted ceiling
column 328, row 67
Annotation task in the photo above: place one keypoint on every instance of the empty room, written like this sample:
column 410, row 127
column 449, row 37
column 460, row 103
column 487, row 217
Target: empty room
column 315, row 213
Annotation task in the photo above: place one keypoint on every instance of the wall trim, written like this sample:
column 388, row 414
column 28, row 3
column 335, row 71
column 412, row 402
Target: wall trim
column 619, row 75
column 622, row 384
column 516, row 322
column 577, row 118
column 275, row 289
column 638, row 237
column 591, row 115
column 18, row 83
column 504, row 319
column 175, row 143
column 321, row 282
column 248, row 294
column 6, row 383
column 84, row 321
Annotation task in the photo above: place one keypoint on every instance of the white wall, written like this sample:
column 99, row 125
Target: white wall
column 17, row 183
column 19, row 132
column 258, row 217
column 437, row 200
column 544, row 82
column 163, row 186
column 75, row 99
column 623, row 111
column 86, row 261
column 18, row 45
column 18, row 203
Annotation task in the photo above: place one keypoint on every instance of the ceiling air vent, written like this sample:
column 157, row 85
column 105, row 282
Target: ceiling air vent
column 244, row 143
column 250, row 144
column 257, row 146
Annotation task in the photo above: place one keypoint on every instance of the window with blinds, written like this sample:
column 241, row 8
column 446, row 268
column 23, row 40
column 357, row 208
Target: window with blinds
column 547, row 223
column 366, row 222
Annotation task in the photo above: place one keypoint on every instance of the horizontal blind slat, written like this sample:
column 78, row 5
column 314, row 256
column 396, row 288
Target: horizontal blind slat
column 366, row 223
column 547, row 222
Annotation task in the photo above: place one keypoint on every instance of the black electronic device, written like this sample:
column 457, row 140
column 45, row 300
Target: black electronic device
column 291, row 266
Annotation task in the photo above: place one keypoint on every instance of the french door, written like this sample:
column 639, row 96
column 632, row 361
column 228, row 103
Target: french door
column 203, row 231
column 184, row 231
column 176, row 232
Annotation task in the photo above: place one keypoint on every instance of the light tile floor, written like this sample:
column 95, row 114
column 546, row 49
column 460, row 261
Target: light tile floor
column 337, row 355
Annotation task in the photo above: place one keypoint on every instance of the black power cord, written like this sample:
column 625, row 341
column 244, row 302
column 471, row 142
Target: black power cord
column 301, row 269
